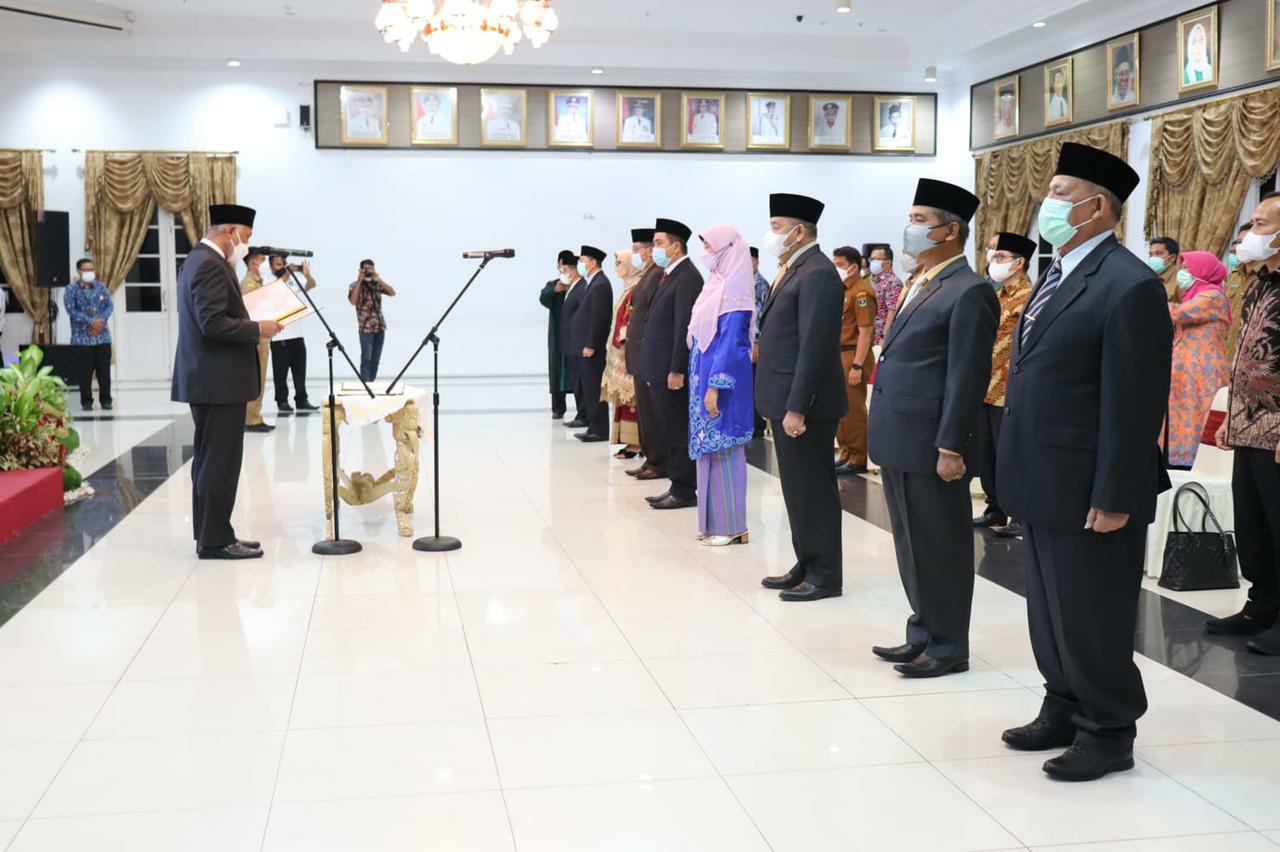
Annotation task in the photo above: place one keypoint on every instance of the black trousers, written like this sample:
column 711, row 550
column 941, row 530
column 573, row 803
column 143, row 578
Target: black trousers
column 597, row 410
column 97, row 362
column 215, row 471
column 652, row 439
column 933, row 538
column 557, row 403
column 989, row 433
column 672, row 410
column 757, row 422
column 1082, row 608
column 1255, row 492
column 573, row 366
column 807, row 469
column 289, row 356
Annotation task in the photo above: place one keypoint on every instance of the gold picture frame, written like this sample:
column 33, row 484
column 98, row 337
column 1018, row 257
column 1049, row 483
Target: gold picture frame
column 888, row 135
column 497, row 111
column 1193, row 79
column 1059, row 107
column 438, row 128
column 693, row 129
column 568, row 125
column 362, row 115
column 646, row 130
column 1122, row 52
column 1273, row 49
column 830, row 136
column 1006, row 126
column 762, row 122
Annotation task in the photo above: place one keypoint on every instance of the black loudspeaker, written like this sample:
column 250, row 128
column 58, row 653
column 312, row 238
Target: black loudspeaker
column 304, row 116
column 53, row 248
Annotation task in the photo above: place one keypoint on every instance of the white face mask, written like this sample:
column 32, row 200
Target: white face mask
column 564, row 278
column 239, row 251
column 909, row 263
column 776, row 244
column 845, row 272
column 1254, row 248
column 877, row 266
column 1000, row 272
column 88, row 277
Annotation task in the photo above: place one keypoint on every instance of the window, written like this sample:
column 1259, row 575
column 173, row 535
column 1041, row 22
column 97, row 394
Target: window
column 8, row 301
column 144, row 292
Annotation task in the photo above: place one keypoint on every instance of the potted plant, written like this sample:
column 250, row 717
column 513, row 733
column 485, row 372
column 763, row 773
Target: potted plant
column 35, row 428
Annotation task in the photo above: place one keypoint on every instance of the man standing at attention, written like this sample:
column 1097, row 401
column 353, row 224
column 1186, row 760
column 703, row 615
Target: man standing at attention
column 651, row 445
column 1165, row 261
column 800, row 388
column 887, row 286
column 573, row 299
column 762, row 296
column 1080, row 464
column 589, row 333
column 216, row 372
column 1238, row 280
column 933, row 374
column 251, row 281
column 857, row 327
column 89, row 306
column 289, row 348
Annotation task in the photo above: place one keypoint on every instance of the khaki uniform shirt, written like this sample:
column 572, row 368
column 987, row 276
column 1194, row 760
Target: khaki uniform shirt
column 859, row 312
column 250, row 282
column 1169, row 278
column 1237, row 282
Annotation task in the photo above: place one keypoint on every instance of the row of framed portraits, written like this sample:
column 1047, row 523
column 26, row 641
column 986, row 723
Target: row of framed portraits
column 1198, row 63
column 571, row 119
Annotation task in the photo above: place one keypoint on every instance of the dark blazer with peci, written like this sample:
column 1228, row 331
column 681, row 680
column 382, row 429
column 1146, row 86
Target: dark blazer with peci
column 594, row 317
column 641, row 300
column 1087, row 397
column 665, row 348
column 573, row 301
column 935, row 365
column 216, row 362
column 799, row 365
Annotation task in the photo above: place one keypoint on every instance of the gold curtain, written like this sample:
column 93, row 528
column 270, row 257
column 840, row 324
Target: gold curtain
column 21, row 195
column 1011, row 181
column 1202, row 160
column 122, row 190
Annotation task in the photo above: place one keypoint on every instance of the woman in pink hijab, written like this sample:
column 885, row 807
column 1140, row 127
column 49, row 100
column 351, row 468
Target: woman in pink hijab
column 1201, row 318
column 721, row 409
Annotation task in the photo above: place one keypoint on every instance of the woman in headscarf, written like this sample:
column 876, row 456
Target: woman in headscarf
column 1201, row 318
column 618, row 388
column 1199, row 62
column 720, row 394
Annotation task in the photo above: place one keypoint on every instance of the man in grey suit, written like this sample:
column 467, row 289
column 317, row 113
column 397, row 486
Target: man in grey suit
column 799, row 387
column 216, row 372
column 933, row 374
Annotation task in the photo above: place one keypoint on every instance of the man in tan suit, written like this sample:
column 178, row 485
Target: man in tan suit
column 252, row 280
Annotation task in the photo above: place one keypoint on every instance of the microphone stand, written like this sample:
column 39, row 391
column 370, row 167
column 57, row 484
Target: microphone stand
column 336, row 546
column 437, row 543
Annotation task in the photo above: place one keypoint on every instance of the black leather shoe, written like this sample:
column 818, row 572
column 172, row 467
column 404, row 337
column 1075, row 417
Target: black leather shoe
column 789, row 580
column 988, row 520
column 577, row 424
column 1241, row 624
column 107, row 406
column 900, row 654
column 307, row 406
column 1013, row 529
column 1266, row 643
column 231, row 551
column 284, row 408
column 671, row 501
column 252, row 545
column 851, row 469
column 658, row 498
column 588, row 438
column 807, row 591
column 260, row 427
column 558, row 415
column 933, row 667
column 1085, row 763
column 647, row 475
column 1039, row 735
column 636, row 471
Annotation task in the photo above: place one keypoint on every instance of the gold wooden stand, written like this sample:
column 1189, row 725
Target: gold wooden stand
column 359, row 488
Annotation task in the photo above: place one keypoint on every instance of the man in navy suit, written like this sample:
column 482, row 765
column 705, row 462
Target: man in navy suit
column 216, row 372
column 589, row 335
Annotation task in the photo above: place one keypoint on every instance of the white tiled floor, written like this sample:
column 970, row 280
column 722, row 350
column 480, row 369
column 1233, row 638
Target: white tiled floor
column 582, row 675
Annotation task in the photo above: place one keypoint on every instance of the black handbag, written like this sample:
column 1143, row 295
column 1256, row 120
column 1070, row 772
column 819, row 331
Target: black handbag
column 1195, row 561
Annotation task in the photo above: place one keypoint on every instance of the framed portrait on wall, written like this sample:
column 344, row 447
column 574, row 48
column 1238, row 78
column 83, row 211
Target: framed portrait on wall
column 1273, row 36
column 433, row 115
column 702, row 120
column 1059, row 93
column 1124, row 76
column 362, row 114
column 768, row 121
column 639, row 119
column 895, row 123
column 1005, row 108
column 571, row 119
column 504, row 118
column 830, row 122
column 1198, row 50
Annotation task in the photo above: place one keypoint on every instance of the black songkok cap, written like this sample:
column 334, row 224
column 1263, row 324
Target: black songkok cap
column 800, row 207
column 594, row 253
column 1017, row 244
column 755, row 252
column 568, row 258
column 642, row 235
column 946, row 196
column 679, row 230
column 1097, row 166
column 231, row 214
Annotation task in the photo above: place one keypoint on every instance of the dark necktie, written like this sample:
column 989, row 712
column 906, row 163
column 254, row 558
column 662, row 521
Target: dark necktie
column 1050, row 286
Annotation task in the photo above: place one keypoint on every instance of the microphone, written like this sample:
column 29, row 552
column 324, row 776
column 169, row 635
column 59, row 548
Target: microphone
column 281, row 252
column 489, row 253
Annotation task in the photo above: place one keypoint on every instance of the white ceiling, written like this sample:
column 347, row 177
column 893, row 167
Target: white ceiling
column 882, row 43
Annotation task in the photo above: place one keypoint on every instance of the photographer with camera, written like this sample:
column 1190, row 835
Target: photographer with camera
column 366, row 294
column 288, row 348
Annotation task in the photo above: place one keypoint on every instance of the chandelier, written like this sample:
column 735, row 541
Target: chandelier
column 466, row 32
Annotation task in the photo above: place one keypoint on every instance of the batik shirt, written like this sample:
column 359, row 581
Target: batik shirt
column 1253, row 416
column 84, row 305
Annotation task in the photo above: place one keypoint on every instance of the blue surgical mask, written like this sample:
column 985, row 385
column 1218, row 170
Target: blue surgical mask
column 916, row 239
column 637, row 262
column 1157, row 265
column 1232, row 261
column 660, row 256
column 1055, row 221
column 582, row 269
column 1185, row 279
column 877, row 266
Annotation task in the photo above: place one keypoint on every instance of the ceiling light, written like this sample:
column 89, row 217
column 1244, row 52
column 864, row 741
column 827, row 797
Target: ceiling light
column 931, row 74
column 597, row 70
column 1040, row 25
column 843, row 6
column 233, row 63
column 466, row 32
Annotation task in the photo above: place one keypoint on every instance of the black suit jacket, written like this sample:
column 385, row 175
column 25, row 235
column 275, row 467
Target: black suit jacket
column 641, row 300
column 589, row 328
column 217, row 357
column 665, row 348
column 799, row 364
column 934, row 368
column 1087, row 397
column 573, row 301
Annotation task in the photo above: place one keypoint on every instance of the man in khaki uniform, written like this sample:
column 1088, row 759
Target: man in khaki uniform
column 252, row 280
column 857, row 330
column 1237, row 282
column 1165, row 261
